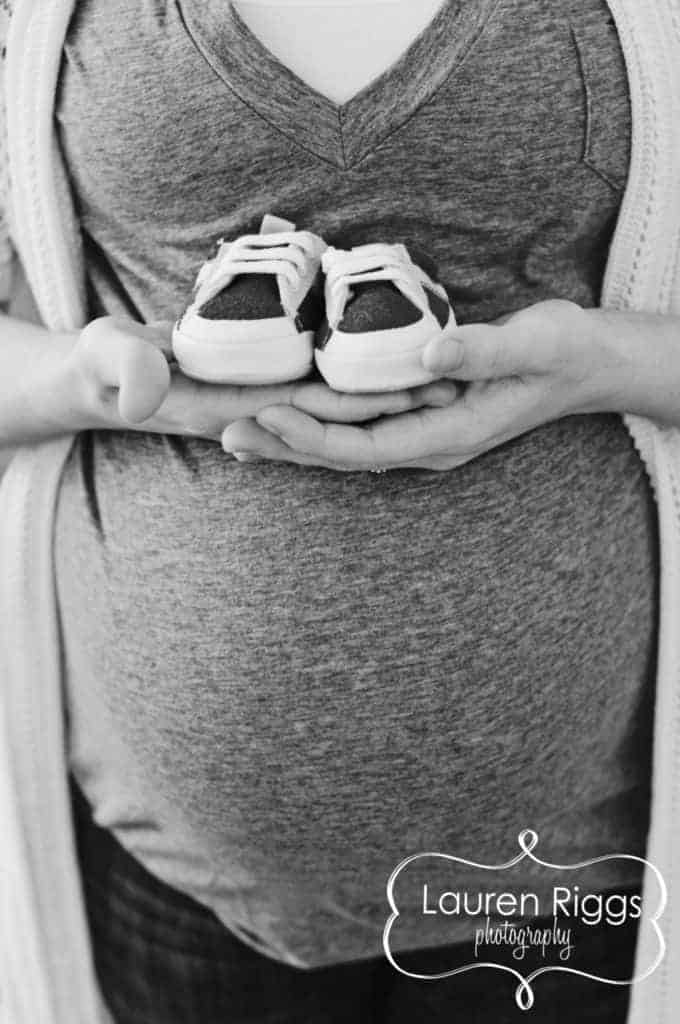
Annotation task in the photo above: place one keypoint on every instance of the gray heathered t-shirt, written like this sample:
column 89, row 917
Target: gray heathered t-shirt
column 282, row 680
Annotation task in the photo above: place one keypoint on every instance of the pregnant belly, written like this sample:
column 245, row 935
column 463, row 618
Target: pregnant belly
column 330, row 660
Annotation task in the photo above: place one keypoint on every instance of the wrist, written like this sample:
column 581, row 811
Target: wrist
column 635, row 364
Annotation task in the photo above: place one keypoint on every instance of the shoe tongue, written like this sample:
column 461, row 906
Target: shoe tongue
column 273, row 225
column 379, row 252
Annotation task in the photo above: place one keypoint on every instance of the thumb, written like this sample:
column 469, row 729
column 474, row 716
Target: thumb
column 144, row 377
column 129, row 357
column 479, row 352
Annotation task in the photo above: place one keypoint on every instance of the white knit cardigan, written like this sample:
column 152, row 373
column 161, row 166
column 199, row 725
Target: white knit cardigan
column 46, row 969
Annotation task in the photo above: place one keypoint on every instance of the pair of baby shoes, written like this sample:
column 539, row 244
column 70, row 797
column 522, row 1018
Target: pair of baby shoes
column 267, row 306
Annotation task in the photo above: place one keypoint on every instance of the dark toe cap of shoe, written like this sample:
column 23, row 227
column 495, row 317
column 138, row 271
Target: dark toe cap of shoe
column 248, row 297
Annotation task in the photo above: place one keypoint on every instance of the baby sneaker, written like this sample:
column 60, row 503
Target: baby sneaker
column 381, row 311
column 255, row 309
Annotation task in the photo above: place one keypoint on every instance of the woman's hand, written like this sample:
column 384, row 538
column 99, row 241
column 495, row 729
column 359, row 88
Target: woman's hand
column 550, row 360
column 125, row 382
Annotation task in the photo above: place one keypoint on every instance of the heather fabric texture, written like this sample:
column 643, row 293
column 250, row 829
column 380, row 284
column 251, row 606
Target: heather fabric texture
column 282, row 681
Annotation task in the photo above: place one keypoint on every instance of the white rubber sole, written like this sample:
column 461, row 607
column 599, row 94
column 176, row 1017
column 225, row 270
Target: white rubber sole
column 257, row 361
column 353, row 363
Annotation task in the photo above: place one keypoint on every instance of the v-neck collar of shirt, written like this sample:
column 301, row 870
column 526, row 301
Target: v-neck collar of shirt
column 341, row 134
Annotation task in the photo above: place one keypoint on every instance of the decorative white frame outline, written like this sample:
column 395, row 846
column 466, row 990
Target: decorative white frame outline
column 524, row 994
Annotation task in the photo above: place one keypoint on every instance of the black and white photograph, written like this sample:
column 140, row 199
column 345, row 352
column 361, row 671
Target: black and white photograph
column 339, row 511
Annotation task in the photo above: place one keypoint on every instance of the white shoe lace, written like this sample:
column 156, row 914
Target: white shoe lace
column 285, row 254
column 379, row 262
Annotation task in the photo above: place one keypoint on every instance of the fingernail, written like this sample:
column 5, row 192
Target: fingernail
column 443, row 355
column 265, row 422
column 446, row 393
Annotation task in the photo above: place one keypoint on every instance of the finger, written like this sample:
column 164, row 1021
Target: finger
column 308, row 435
column 247, row 435
column 388, row 441
column 478, row 351
column 144, row 383
column 128, row 358
column 200, row 402
column 247, row 441
column 526, row 342
column 437, row 395
column 321, row 402
column 250, row 442
column 533, row 340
